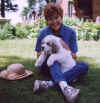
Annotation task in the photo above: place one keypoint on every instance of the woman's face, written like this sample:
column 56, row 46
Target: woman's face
column 55, row 23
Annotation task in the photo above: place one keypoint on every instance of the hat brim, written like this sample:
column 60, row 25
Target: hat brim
column 18, row 77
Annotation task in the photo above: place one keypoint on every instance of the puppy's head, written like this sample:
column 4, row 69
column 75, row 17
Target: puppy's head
column 49, row 44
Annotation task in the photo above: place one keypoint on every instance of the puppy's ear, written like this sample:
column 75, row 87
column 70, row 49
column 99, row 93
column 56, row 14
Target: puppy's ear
column 54, row 48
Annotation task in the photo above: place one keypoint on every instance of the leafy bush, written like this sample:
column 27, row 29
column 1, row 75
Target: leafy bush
column 6, row 32
column 89, row 31
column 43, row 23
column 85, row 30
column 97, row 36
column 22, row 30
column 35, row 29
column 73, row 22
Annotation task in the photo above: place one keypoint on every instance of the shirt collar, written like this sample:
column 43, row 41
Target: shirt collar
column 61, row 30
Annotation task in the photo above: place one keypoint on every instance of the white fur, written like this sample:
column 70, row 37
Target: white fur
column 62, row 56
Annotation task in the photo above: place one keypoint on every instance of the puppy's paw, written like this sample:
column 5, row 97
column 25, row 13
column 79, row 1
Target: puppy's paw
column 37, row 64
column 50, row 62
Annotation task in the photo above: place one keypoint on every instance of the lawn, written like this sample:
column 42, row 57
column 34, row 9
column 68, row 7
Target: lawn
column 22, row 51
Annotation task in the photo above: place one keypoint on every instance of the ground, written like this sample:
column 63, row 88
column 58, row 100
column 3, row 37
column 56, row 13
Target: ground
column 22, row 51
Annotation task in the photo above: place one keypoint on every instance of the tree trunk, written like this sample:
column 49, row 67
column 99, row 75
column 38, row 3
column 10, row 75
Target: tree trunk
column 2, row 8
column 47, row 1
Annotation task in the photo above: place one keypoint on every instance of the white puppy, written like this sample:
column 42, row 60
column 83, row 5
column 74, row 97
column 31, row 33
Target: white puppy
column 51, row 46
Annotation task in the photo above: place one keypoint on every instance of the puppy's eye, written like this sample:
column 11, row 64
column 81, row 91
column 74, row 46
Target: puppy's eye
column 48, row 44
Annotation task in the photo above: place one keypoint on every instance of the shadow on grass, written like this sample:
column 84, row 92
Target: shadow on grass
column 91, row 92
column 21, row 91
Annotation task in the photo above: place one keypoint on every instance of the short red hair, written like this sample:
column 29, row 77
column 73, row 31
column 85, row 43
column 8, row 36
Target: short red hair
column 51, row 10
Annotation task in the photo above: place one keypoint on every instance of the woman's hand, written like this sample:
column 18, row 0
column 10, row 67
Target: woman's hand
column 74, row 56
column 38, row 54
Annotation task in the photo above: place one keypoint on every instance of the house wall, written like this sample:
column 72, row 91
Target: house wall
column 64, row 5
column 96, row 8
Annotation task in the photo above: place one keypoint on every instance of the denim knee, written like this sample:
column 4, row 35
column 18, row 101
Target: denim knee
column 84, row 66
column 56, row 73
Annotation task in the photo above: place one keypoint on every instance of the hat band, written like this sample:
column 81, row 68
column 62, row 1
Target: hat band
column 20, row 75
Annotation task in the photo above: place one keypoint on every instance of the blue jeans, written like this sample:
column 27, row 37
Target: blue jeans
column 81, row 68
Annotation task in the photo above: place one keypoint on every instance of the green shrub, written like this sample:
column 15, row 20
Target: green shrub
column 43, row 23
column 6, row 32
column 36, row 29
column 85, row 30
column 89, row 31
column 22, row 30
column 97, row 36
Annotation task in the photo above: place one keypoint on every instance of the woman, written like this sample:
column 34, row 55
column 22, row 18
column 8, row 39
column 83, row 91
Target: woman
column 53, row 14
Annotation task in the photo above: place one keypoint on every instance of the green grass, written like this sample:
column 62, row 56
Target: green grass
column 22, row 51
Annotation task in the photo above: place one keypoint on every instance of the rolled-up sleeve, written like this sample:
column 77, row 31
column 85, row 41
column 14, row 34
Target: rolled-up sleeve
column 73, row 42
column 38, row 43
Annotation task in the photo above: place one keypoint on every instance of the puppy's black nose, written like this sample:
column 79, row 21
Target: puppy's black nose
column 42, row 48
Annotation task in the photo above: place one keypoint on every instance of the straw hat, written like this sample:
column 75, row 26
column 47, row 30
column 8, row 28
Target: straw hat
column 15, row 72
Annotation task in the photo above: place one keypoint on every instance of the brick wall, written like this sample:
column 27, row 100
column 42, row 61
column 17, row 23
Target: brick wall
column 64, row 5
column 96, row 8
